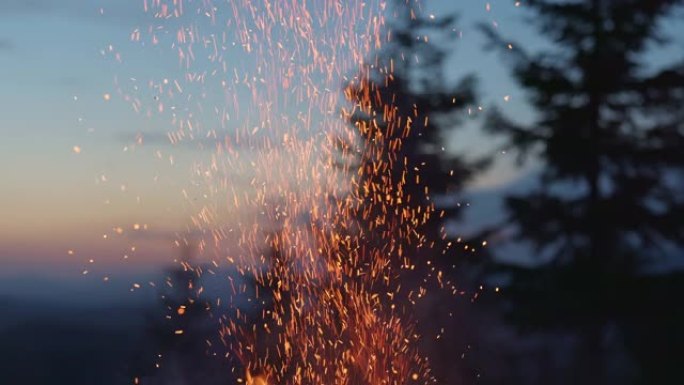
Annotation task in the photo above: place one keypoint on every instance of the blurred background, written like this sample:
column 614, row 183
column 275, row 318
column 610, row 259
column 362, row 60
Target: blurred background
column 564, row 230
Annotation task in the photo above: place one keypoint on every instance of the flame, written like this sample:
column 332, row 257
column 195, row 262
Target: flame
column 256, row 380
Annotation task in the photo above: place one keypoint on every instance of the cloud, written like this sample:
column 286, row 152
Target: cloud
column 252, row 142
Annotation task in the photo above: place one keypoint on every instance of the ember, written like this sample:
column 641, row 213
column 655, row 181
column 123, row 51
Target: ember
column 323, row 226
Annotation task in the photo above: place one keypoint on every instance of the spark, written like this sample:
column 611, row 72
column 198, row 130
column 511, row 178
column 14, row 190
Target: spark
column 296, row 194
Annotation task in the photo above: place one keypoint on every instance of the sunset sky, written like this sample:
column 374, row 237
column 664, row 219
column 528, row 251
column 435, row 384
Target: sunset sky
column 71, row 169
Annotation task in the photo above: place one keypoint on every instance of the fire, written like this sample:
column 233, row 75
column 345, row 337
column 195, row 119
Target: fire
column 296, row 197
column 256, row 380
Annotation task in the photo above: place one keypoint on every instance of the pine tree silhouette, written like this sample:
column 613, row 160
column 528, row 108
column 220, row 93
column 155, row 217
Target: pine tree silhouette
column 609, row 134
column 180, row 345
column 404, row 108
column 604, row 125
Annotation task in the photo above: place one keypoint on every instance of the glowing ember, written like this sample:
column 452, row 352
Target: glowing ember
column 295, row 197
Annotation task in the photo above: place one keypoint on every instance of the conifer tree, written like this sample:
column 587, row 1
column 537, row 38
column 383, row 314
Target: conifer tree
column 404, row 110
column 609, row 135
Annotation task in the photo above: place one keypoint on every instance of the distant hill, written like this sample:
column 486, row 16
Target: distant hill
column 51, row 343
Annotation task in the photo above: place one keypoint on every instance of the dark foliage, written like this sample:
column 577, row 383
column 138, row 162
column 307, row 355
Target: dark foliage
column 181, row 344
column 607, row 126
column 404, row 108
column 610, row 136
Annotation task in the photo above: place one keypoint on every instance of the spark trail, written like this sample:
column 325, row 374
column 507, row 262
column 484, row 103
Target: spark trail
column 300, row 197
